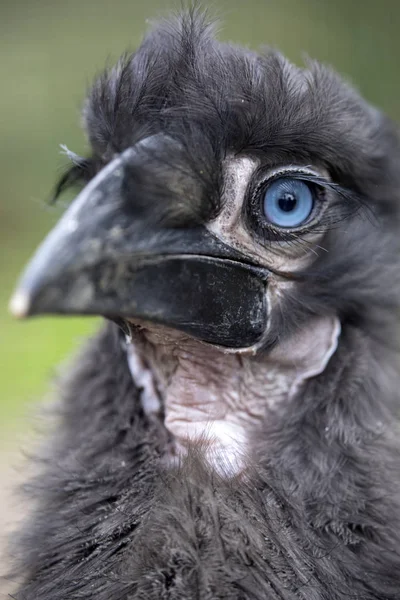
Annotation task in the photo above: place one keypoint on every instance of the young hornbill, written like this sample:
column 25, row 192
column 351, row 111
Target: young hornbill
column 232, row 432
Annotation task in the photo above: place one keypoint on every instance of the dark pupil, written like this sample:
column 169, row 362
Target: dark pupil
column 287, row 201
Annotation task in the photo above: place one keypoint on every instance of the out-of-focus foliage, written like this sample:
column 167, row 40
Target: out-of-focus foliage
column 49, row 53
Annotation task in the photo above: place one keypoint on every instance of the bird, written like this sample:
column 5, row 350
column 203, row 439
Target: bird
column 231, row 432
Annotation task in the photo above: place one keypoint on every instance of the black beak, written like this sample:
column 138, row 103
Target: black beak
column 102, row 259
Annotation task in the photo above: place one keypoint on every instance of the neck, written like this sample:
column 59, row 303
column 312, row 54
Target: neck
column 218, row 403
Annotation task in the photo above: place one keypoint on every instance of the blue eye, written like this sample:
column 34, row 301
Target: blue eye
column 288, row 202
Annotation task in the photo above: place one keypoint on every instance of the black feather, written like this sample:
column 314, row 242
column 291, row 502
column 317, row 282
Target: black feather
column 318, row 517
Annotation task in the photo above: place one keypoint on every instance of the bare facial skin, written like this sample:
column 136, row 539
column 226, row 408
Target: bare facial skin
column 229, row 226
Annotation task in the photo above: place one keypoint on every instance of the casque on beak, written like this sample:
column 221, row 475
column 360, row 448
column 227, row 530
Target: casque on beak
column 106, row 260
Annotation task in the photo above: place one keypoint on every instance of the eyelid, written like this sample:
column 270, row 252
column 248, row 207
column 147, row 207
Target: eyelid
column 283, row 170
column 296, row 171
column 308, row 174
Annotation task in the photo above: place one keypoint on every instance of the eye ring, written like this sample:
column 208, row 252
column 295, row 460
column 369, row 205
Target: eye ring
column 287, row 202
column 317, row 183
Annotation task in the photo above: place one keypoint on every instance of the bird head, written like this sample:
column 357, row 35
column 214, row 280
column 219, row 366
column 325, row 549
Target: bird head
column 228, row 195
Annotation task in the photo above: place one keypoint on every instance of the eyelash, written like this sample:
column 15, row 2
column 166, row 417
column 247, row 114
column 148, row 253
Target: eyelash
column 333, row 204
column 78, row 174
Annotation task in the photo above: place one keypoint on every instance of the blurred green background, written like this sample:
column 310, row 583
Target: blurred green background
column 51, row 50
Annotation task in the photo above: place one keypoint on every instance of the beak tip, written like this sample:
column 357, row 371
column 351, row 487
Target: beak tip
column 20, row 304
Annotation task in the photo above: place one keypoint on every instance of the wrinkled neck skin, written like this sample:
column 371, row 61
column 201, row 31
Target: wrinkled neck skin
column 216, row 402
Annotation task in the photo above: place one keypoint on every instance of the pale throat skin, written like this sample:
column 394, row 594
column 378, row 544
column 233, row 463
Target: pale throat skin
column 217, row 400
